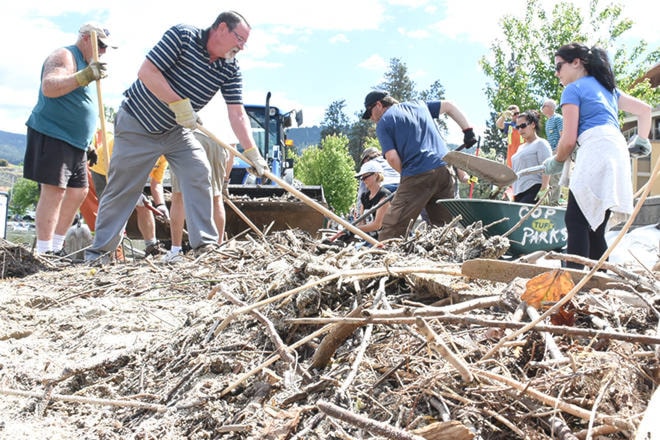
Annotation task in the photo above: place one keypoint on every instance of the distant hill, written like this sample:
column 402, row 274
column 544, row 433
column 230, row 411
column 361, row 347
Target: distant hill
column 304, row 137
column 12, row 147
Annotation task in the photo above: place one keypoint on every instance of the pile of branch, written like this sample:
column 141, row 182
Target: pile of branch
column 287, row 338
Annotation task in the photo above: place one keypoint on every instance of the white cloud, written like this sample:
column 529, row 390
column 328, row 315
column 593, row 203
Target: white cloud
column 374, row 62
column 339, row 38
column 417, row 34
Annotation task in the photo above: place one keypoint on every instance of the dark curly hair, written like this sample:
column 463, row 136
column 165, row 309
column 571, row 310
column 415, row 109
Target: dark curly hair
column 532, row 116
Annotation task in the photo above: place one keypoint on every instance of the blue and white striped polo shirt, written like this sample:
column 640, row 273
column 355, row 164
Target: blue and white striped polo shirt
column 182, row 57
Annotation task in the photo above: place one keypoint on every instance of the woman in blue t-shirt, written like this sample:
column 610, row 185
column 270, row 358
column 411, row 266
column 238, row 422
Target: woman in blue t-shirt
column 601, row 182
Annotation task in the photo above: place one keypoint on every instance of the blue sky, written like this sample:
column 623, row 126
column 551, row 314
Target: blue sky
column 308, row 54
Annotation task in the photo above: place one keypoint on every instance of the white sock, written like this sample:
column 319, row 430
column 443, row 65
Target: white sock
column 150, row 242
column 58, row 242
column 175, row 249
column 44, row 246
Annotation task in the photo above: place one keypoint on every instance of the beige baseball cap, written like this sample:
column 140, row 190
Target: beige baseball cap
column 102, row 33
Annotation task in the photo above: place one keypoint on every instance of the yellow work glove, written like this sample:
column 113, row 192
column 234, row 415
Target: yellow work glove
column 184, row 114
column 542, row 193
column 259, row 165
column 472, row 179
column 508, row 114
column 95, row 70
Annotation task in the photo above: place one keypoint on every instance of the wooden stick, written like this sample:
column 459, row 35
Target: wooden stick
column 104, row 141
column 357, row 274
column 243, row 217
column 554, row 402
column 275, row 338
column 551, row 345
column 437, row 344
column 79, row 399
column 339, row 333
column 307, row 200
column 468, row 320
column 370, row 425
column 274, row 358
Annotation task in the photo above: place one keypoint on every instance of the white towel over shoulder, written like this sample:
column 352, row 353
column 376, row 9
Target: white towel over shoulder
column 601, row 179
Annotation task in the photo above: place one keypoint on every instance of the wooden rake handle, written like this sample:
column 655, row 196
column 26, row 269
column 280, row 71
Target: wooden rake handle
column 305, row 199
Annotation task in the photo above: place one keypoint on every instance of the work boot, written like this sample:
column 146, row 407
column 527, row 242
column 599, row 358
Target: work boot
column 155, row 249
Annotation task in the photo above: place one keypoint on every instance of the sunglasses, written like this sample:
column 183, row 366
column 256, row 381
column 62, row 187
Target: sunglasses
column 101, row 44
column 366, row 176
column 559, row 65
column 524, row 125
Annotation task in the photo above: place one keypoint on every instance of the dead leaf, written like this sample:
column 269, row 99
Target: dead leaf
column 547, row 287
column 563, row 317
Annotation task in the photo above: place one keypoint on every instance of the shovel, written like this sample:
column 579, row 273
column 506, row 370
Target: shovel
column 486, row 169
column 95, row 57
column 537, row 169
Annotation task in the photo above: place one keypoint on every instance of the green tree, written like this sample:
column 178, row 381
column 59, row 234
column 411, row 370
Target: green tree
column 24, row 195
column 521, row 64
column 335, row 121
column 110, row 113
column 358, row 135
column 398, row 83
column 4, row 163
column 492, row 140
column 339, row 185
column 434, row 93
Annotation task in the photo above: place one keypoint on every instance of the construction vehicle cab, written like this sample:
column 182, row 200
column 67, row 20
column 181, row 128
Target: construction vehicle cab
column 262, row 201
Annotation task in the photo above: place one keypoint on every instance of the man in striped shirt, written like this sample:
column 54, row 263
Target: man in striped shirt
column 180, row 75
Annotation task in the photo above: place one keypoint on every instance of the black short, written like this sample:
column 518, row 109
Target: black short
column 54, row 162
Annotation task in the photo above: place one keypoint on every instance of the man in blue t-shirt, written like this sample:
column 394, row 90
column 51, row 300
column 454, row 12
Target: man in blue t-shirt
column 412, row 145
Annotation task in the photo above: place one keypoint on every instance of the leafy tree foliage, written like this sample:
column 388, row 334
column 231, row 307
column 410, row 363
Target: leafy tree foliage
column 4, row 163
column 359, row 136
column 335, row 121
column 24, row 195
column 331, row 166
column 398, row 83
column 521, row 64
column 492, row 140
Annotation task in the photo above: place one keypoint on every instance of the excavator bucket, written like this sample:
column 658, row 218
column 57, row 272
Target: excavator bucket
column 271, row 207
column 266, row 206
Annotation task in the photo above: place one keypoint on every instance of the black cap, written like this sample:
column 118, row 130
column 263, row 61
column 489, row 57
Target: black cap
column 371, row 99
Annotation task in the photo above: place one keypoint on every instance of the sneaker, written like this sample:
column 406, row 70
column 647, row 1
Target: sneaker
column 172, row 257
column 156, row 249
column 60, row 255
column 205, row 249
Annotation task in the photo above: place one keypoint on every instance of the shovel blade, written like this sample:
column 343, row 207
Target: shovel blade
column 485, row 169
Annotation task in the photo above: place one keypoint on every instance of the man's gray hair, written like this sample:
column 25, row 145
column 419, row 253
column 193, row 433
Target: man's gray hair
column 550, row 102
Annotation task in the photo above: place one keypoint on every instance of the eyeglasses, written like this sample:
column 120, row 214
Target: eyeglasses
column 102, row 45
column 559, row 65
column 240, row 39
column 366, row 176
column 523, row 125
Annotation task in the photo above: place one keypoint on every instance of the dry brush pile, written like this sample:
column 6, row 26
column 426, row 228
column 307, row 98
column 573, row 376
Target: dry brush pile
column 290, row 338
